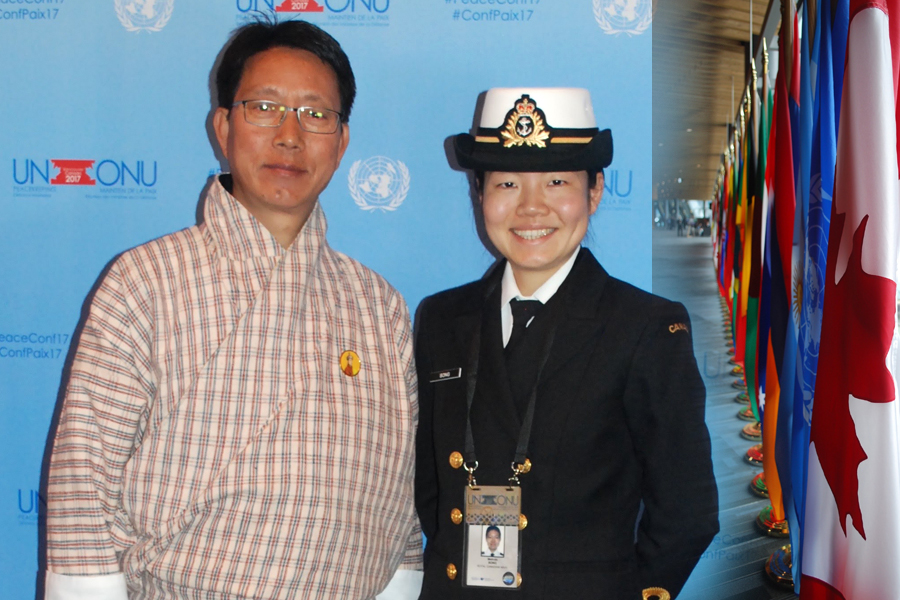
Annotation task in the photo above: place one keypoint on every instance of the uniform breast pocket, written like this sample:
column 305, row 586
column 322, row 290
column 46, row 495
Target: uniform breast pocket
column 448, row 393
column 448, row 388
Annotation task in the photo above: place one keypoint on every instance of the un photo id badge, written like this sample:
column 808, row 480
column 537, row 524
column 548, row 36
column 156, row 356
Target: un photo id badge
column 492, row 547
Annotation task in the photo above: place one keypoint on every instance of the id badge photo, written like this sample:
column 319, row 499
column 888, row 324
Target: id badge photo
column 492, row 546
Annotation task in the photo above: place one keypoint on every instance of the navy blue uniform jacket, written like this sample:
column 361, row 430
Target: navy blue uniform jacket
column 621, row 495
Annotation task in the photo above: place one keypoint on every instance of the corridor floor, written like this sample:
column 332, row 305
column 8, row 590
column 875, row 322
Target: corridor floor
column 732, row 568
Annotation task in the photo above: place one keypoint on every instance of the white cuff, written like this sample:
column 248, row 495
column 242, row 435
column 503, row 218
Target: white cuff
column 85, row 587
column 405, row 585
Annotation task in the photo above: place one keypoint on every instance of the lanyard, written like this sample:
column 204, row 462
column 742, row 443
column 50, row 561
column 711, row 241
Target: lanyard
column 518, row 464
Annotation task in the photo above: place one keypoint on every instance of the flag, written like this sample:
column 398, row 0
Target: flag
column 728, row 229
column 839, row 30
column 790, row 242
column 718, row 231
column 780, row 239
column 765, row 294
column 746, row 193
column 758, row 207
column 786, row 453
column 740, row 202
column 776, row 448
column 821, row 186
column 851, row 545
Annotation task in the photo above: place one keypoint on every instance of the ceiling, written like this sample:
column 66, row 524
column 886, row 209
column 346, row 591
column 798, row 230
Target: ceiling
column 699, row 57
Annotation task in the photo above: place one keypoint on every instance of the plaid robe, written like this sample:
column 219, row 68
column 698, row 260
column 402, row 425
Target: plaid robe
column 210, row 445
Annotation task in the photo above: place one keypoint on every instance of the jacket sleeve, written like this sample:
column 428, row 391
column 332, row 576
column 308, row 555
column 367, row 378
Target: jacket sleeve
column 665, row 405
column 426, row 470
column 108, row 391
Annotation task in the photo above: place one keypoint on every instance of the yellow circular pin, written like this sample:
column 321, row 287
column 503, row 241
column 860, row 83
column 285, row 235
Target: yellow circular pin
column 350, row 363
column 523, row 521
column 456, row 516
column 518, row 580
column 456, row 460
column 451, row 571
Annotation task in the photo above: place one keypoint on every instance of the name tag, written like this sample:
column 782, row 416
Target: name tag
column 445, row 375
column 492, row 547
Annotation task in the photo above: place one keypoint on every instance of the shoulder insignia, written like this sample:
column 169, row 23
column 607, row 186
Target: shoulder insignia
column 678, row 327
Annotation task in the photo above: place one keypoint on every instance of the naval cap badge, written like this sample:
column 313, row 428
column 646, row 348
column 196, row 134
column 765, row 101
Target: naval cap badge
column 525, row 124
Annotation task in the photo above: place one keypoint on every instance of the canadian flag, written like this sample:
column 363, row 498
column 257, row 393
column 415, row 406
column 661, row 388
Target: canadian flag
column 851, row 535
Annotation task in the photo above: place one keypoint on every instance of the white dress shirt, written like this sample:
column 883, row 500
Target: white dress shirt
column 509, row 290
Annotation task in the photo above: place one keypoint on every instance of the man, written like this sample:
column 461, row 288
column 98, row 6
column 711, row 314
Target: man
column 240, row 417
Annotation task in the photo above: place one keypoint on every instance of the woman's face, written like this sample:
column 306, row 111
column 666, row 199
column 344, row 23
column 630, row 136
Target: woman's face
column 537, row 220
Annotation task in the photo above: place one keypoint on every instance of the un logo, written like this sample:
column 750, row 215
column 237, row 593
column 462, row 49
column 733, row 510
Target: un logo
column 623, row 16
column 144, row 15
column 378, row 183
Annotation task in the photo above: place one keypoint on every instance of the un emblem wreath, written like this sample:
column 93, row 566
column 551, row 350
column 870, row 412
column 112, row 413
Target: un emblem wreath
column 154, row 21
column 368, row 198
column 612, row 17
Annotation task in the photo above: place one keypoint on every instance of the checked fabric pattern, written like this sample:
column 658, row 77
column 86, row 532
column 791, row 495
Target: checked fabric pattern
column 209, row 444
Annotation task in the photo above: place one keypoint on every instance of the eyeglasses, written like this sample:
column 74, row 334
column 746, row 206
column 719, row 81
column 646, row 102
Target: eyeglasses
column 265, row 113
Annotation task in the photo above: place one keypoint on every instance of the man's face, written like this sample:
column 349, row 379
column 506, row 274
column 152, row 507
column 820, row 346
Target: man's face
column 282, row 169
column 537, row 220
column 493, row 540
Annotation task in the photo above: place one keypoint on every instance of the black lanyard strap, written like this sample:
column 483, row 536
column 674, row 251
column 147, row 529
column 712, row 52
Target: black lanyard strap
column 471, row 379
column 524, row 432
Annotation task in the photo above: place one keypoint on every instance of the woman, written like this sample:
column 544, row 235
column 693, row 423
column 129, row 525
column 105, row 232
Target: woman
column 580, row 415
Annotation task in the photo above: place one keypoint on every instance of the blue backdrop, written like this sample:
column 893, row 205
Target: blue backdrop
column 104, row 145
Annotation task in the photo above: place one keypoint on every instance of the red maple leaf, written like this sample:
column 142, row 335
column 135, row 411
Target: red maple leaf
column 816, row 589
column 857, row 328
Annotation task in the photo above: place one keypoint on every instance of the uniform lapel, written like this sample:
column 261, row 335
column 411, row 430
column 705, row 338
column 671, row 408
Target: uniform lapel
column 581, row 320
column 579, row 328
column 467, row 322
column 493, row 403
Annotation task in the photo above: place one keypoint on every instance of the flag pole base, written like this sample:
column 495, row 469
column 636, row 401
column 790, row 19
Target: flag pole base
column 737, row 370
column 778, row 568
column 770, row 526
column 752, row 432
column 754, row 455
column 730, row 350
column 742, row 398
column 740, row 384
column 746, row 414
column 758, row 486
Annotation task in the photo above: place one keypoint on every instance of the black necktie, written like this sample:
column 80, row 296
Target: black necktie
column 523, row 311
